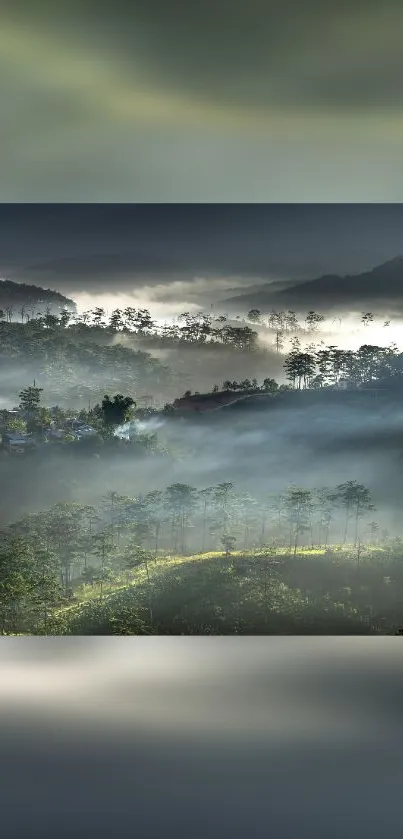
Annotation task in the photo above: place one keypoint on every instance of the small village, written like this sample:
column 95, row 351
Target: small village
column 15, row 441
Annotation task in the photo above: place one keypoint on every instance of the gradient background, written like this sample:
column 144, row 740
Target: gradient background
column 225, row 100
column 255, row 101
column 201, row 737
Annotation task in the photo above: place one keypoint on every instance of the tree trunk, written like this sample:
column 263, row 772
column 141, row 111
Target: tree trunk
column 296, row 538
column 327, row 529
column 175, row 537
column 356, row 526
column 262, row 532
column 183, row 522
column 346, row 526
column 157, row 533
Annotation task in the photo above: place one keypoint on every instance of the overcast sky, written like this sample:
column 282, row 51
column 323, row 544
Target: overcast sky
column 237, row 100
column 92, row 247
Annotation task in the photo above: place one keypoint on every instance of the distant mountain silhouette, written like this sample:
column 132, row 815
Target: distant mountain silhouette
column 14, row 296
column 271, row 287
column 384, row 283
column 81, row 270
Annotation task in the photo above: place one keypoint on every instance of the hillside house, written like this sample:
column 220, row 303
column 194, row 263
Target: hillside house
column 202, row 402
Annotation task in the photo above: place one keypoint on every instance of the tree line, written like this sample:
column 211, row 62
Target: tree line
column 43, row 555
column 326, row 366
column 190, row 328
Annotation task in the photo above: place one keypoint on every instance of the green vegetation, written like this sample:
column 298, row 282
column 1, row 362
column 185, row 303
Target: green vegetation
column 76, row 358
column 74, row 365
column 319, row 368
column 130, row 565
column 23, row 301
column 184, row 559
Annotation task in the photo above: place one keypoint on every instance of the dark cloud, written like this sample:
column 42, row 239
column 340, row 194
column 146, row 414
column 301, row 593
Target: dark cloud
column 255, row 101
column 120, row 247
column 258, row 52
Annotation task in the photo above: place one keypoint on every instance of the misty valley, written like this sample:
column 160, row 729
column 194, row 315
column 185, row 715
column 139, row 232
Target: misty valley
column 212, row 473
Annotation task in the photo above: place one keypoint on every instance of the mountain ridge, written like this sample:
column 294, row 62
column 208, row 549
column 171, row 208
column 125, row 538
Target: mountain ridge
column 383, row 282
column 14, row 294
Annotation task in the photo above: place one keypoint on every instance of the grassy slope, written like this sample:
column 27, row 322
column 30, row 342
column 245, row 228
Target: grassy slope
column 213, row 594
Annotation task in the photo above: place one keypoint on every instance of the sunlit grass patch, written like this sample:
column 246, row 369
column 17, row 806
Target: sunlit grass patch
column 228, row 594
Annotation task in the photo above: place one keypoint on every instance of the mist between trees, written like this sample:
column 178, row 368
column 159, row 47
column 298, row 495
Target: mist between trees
column 227, row 545
column 77, row 357
column 182, row 560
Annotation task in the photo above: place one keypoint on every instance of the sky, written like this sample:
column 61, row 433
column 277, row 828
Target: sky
column 228, row 100
column 172, row 258
column 93, row 247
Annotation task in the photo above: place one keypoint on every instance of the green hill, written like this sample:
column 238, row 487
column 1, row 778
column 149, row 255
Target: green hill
column 214, row 594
